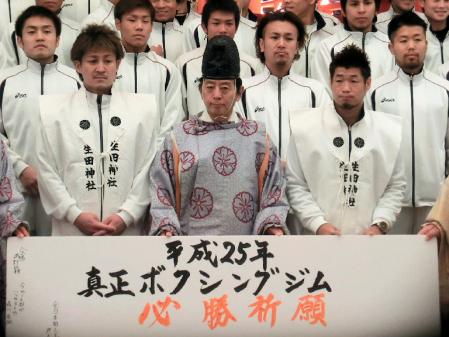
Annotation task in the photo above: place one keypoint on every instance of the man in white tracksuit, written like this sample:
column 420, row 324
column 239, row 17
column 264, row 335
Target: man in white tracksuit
column 344, row 173
column 397, row 7
column 143, row 71
column 271, row 95
column 103, row 15
column 195, row 36
column 358, row 29
column 41, row 74
column 219, row 18
column 318, row 27
column 437, row 17
column 167, row 33
column 422, row 99
column 11, row 9
column 78, row 10
column 13, row 55
column 96, row 145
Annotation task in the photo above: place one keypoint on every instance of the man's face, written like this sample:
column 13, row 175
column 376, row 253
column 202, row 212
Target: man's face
column 165, row 10
column 348, row 88
column 39, row 39
column 99, row 69
column 360, row 14
column 135, row 28
column 436, row 10
column 219, row 97
column 53, row 5
column 402, row 5
column 409, row 46
column 221, row 23
column 298, row 7
column 279, row 44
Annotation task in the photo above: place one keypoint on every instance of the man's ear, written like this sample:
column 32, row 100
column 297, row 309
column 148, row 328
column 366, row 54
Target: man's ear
column 368, row 83
column 118, row 24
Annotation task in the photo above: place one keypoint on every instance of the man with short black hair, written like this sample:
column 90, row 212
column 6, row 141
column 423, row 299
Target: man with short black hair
column 41, row 74
column 13, row 55
column 358, row 28
column 271, row 95
column 344, row 173
column 421, row 98
column 143, row 71
column 95, row 146
column 220, row 17
column 195, row 36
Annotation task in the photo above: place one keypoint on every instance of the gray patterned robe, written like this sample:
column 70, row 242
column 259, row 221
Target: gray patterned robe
column 219, row 173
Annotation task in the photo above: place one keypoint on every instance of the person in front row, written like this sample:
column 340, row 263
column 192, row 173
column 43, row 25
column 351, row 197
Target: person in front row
column 217, row 173
column 344, row 172
column 95, row 146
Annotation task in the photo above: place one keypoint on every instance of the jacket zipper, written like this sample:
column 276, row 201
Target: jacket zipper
column 88, row 7
column 280, row 114
column 442, row 52
column 413, row 140
column 163, row 40
column 350, row 142
column 135, row 73
column 100, row 119
column 10, row 12
column 42, row 78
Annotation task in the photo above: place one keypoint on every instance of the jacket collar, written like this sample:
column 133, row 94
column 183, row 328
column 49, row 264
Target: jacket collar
column 131, row 57
column 406, row 77
column 336, row 132
column 320, row 23
column 347, row 28
column 106, row 5
column 36, row 67
column 274, row 79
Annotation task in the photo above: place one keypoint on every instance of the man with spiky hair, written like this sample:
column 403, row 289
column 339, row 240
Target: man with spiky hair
column 358, row 28
column 95, row 146
column 421, row 98
column 344, row 173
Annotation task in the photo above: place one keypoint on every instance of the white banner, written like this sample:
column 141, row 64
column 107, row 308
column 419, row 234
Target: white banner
column 222, row 286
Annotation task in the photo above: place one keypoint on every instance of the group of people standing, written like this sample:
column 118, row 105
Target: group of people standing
column 154, row 120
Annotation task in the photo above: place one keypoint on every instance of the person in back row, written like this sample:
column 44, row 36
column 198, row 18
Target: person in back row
column 220, row 17
column 358, row 28
column 143, row 71
column 421, row 98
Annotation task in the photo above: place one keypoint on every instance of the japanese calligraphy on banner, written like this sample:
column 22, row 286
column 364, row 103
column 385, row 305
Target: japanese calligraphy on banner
column 222, row 286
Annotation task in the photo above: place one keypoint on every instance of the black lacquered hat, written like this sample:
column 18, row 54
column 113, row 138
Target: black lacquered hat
column 221, row 59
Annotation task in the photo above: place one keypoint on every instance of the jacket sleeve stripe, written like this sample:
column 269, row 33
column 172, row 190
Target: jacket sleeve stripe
column 167, row 79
